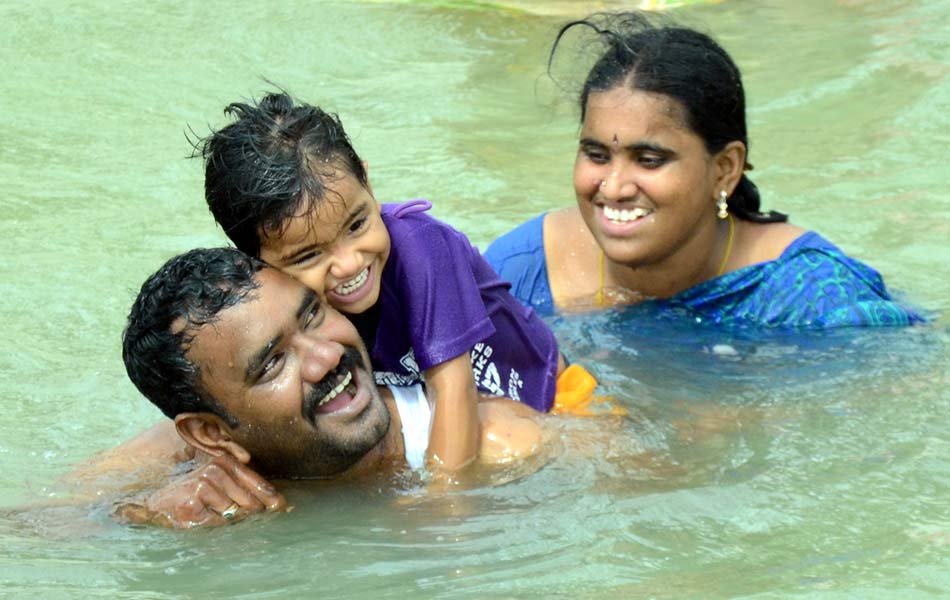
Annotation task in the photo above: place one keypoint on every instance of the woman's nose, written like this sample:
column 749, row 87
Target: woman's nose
column 617, row 186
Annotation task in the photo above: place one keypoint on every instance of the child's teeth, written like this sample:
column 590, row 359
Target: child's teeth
column 354, row 284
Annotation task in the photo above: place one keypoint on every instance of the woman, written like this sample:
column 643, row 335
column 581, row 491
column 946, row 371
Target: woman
column 664, row 209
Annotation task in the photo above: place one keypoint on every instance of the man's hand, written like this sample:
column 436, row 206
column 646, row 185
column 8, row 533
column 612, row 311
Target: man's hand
column 219, row 492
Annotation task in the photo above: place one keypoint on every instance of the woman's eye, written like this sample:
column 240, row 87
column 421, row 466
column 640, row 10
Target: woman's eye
column 596, row 156
column 652, row 161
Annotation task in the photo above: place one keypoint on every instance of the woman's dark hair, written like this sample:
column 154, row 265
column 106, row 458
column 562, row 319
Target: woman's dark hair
column 684, row 65
column 276, row 156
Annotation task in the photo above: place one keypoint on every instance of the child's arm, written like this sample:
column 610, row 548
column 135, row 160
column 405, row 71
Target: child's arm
column 453, row 442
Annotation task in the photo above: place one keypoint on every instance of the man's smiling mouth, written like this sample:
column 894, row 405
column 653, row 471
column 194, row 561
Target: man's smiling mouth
column 336, row 392
column 332, row 394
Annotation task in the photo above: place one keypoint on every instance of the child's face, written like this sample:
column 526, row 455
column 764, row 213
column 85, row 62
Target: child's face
column 338, row 248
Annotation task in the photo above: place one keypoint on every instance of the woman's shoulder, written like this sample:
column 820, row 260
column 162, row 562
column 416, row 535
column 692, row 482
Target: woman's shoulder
column 766, row 242
column 519, row 250
column 564, row 219
column 526, row 237
column 567, row 235
column 573, row 257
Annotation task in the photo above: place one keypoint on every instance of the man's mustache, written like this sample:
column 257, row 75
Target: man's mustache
column 351, row 359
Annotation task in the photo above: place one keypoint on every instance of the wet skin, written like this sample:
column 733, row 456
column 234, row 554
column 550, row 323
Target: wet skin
column 636, row 155
column 293, row 373
column 337, row 246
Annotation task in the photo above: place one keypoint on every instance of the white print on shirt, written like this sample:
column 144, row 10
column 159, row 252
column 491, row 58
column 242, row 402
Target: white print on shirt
column 515, row 383
column 485, row 371
column 487, row 376
column 408, row 363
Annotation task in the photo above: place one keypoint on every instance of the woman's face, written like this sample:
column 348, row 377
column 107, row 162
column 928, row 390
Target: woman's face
column 644, row 181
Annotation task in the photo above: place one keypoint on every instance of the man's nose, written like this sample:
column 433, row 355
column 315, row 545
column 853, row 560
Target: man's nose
column 618, row 185
column 318, row 355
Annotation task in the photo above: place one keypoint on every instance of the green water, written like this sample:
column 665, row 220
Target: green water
column 813, row 466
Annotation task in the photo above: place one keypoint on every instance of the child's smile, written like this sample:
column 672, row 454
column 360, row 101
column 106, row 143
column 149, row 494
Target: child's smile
column 337, row 246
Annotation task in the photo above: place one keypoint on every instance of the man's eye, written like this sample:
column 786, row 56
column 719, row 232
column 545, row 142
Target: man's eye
column 314, row 317
column 272, row 368
column 358, row 224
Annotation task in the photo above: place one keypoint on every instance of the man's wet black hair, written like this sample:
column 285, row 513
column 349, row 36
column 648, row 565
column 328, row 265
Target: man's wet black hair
column 271, row 164
column 187, row 293
column 684, row 65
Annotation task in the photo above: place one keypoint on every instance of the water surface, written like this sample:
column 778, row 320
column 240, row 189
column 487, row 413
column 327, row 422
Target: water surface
column 751, row 465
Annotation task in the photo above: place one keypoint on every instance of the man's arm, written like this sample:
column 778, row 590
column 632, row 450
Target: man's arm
column 508, row 431
column 147, row 457
column 218, row 492
column 138, row 477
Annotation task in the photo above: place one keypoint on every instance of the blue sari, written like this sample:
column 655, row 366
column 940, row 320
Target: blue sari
column 812, row 284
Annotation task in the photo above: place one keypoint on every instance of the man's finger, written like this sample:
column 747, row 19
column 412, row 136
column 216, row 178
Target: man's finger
column 224, row 477
column 262, row 489
column 215, row 504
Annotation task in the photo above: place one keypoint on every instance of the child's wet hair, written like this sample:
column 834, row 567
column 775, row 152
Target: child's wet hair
column 273, row 163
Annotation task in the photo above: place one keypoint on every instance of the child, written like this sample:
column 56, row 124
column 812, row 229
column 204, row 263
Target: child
column 286, row 185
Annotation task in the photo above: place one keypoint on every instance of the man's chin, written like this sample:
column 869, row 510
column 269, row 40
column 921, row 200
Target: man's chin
column 331, row 453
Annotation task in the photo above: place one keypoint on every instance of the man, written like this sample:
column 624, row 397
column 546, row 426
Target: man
column 256, row 371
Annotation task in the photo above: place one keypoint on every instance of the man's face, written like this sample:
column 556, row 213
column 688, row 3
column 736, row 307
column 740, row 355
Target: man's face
column 295, row 375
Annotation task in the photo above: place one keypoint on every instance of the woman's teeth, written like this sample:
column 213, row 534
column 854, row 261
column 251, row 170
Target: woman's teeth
column 354, row 284
column 622, row 215
column 336, row 391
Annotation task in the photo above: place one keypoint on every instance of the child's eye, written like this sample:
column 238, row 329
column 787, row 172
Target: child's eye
column 305, row 258
column 358, row 224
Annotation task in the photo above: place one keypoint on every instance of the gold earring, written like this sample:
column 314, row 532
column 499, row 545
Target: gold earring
column 723, row 208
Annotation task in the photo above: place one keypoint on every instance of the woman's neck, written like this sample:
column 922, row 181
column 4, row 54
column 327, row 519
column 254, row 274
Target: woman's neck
column 700, row 259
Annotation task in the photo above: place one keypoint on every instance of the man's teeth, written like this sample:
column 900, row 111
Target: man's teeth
column 354, row 284
column 336, row 391
column 622, row 215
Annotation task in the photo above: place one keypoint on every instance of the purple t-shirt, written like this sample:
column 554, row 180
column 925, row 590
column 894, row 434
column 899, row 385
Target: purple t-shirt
column 439, row 299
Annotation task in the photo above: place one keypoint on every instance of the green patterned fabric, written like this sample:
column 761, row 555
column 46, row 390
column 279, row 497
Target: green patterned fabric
column 813, row 284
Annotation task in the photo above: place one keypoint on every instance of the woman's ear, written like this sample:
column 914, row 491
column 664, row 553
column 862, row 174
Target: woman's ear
column 208, row 433
column 730, row 163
